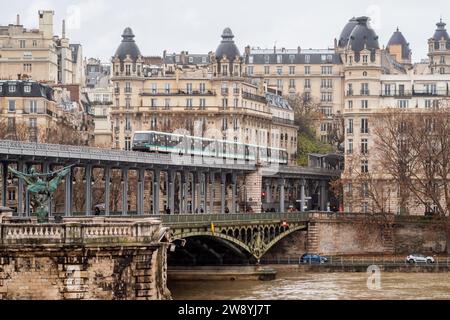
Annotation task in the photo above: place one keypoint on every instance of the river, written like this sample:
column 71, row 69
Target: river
column 319, row 286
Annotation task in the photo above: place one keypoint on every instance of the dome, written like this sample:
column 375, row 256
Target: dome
column 128, row 46
column 345, row 34
column 227, row 47
column 398, row 39
column 363, row 36
column 441, row 33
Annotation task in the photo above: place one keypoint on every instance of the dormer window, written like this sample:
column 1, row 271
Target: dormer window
column 442, row 45
column 12, row 88
column 307, row 58
column 27, row 88
column 128, row 70
column 250, row 59
column 266, row 59
column 365, row 59
column 279, row 59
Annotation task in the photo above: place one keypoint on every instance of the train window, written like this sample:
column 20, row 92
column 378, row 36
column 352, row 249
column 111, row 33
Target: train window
column 141, row 137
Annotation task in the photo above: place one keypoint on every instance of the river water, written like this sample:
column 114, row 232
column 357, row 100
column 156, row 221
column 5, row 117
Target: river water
column 320, row 286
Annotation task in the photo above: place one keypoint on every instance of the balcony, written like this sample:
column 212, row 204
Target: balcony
column 283, row 121
column 365, row 92
column 250, row 96
column 416, row 93
column 151, row 93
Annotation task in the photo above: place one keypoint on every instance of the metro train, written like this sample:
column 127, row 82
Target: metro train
column 161, row 142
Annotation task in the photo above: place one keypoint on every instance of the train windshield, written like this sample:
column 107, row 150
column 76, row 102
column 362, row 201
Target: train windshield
column 141, row 137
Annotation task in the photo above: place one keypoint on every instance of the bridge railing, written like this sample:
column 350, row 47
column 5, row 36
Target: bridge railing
column 230, row 218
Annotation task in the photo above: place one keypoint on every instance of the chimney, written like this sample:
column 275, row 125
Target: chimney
column 18, row 20
column 299, row 49
column 63, row 29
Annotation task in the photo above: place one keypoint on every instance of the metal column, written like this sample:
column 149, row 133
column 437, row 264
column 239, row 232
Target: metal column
column 212, row 178
column 27, row 196
column 323, row 196
column 233, row 196
column 140, row 192
column 88, row 189
column 125, row 191
column 222, row 191
column 20, row 189
column 46, row 169
column 282, row 183
column 107, row 177
column 171, row 201
column 302, row 195
column 156, row 186
column 205, row 193
column 4, row 182
column 68, row 194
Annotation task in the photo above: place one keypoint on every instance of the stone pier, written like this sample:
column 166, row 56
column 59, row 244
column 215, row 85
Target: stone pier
column 83, row 259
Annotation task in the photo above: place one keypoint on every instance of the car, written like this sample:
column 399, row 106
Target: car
column 312, row 259
column 419, row 258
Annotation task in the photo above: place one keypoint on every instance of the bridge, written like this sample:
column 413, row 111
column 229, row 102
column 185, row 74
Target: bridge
column 152, row 183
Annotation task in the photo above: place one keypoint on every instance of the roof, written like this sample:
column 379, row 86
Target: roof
column 37, row 90
column 277, row 101
column 128, row 46
column 441, row 33
column 363, row 36
column 305, row 57
column 398, row 39
column 227, row 47
column 346, row 32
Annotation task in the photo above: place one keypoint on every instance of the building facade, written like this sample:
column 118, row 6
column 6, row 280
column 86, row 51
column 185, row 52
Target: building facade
column 39, row 54
column 212, row 98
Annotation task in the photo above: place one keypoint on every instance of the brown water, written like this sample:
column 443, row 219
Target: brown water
column 319, row 286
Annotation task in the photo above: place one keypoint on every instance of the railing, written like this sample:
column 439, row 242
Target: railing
column 76, row 231
column 239, row 217
column 283, row 121
column 253, row 97
column 410, row 93
column 151, row 92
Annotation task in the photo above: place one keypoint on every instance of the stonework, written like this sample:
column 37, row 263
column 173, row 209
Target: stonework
column 130, row 268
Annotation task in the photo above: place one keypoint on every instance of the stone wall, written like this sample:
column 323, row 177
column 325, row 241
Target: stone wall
column 109, row 265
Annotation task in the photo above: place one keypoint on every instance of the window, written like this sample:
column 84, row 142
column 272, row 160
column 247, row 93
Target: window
column 127, row 103
column 236, row 103
column 387, row 90
column 350, row 126
column 250, row 71
column 307, row 83
column 127, row 143
column 128, row 123
column 365, row 190
column 166, row 88
column 189, row 88
column 291, row 70
column 34, row 43
column 327, row 70
column 191, row 59
column 225, row 70
column 364, row 104
column 364, row 146
column 326, row 83
column 307, row 70
column 154, row 88
column 266, row 70
column 189, row 103
column 154, row 103
column 27, row 88
column 202, row 104
column 128, row 70
column 365, row 59
column 33, row 106
column 167, row 104
column 307, row 58
column 12, row 106
column 11, row 195
column 27, row 67
column 279, row 59
column 127, row 87
column 291, row 83
column 403, row 104
column 202, row 87
column 22, row 43
column 350, row 104
column 350, row 89
column 364, row 166
column 364, row 126
column 266, row 59
column 12, row 87
column 250, row 59
column 350, row 146
column 224, row 124
column 279, row 70
column 364, row 89
column 279, row 84
column 224, row 103
column 33, row 123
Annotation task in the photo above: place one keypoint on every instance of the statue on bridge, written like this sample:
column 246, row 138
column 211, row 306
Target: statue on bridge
column 42, row 186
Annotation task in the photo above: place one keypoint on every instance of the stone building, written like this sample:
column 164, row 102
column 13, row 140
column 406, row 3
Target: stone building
column 377, row 81
column 206, row 96
column 39, row 54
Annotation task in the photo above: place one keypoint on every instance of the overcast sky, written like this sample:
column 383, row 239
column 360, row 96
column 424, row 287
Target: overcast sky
column 196, row 25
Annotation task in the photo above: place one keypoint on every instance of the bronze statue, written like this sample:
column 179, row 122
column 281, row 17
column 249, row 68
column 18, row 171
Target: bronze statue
column 41, row 188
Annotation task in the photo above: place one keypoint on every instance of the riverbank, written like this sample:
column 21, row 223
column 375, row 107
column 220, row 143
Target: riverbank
column 222, row 273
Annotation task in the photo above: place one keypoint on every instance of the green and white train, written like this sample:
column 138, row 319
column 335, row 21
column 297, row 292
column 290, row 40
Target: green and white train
column 161, row 142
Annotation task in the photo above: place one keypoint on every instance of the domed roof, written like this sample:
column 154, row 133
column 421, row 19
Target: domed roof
column 441, row 32
column 345, row 34
column 128, row 46
column 363, row 36
column 227, row 47
column 398, row 39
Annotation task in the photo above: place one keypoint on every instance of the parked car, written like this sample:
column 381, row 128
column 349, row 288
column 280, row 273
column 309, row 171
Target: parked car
column 419, row 258
column 312, row 259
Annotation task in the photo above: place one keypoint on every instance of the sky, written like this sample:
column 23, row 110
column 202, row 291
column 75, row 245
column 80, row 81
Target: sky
column 196, row 25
